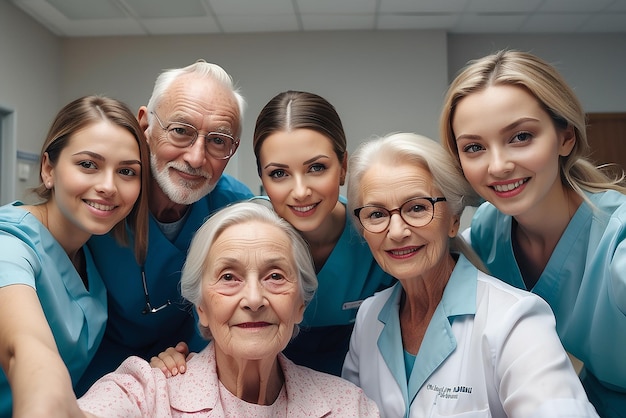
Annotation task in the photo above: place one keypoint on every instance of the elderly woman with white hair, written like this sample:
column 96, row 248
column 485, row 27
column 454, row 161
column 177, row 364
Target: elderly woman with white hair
column 250, row 276
column 447, row 339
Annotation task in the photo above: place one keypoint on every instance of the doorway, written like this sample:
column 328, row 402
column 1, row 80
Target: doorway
column 607, row 137
column 7, row 155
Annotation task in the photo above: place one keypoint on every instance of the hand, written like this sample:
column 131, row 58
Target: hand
column 173, row 360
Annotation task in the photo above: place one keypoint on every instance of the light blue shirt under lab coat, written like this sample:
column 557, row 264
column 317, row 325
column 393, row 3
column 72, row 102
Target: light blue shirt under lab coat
column 30, row 255
column 490, row 350
column 584, row 283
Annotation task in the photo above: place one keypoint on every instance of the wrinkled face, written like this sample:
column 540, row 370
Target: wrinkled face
column 96, row 179
column 187, row 174
column 509, row 148
column 301, row 174
column 403, row 251
column 251, row 297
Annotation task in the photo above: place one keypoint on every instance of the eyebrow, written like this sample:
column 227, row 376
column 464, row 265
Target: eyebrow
column 518, row 122
column 99, row 157
column 309, row 161
column 317, row 157
column 507, row 128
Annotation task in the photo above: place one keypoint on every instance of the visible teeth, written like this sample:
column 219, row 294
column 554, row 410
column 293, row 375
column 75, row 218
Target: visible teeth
column 303, row 208
column 403, row 252
column 100, row 207
column 507, row 187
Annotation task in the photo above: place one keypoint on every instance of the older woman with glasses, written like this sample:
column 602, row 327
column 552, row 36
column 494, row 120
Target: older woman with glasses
column 250, row 275
column 447, row 339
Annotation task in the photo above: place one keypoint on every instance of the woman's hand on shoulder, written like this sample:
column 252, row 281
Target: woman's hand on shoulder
column 173, row 360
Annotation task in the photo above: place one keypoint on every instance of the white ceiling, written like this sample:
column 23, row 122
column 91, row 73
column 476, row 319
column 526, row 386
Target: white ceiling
column 77, row 18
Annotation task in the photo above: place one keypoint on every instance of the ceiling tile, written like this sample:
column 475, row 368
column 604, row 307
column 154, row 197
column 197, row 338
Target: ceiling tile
column 502, row 6
column 604, row 23
column 181, row 26
column 574, row 5
column 336, row 6
column 88, row 9
column 151, row 9
column 617, row 6
column 250, row 7
column 338, row 22
column 255, row 23
column 478, row 23
column 393, row 22
column 117, row 27
column 546, row 23
column 422, row 6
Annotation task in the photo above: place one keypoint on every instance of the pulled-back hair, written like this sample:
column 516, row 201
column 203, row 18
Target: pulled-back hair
column 292, row 110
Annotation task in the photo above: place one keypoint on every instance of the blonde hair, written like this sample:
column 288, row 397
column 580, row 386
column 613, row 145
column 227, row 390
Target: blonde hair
column 542, row 80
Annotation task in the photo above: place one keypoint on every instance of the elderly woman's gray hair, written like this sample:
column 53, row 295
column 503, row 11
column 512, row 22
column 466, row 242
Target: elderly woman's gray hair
column 238, row 213
column 409, row 148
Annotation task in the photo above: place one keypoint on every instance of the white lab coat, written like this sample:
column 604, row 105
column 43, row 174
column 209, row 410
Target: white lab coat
column 490, row 350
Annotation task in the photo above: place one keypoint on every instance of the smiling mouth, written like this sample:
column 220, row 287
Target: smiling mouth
column 253, row 325
column 99, row 206
column 508, row 187
column 400, row 253
column 304, row 208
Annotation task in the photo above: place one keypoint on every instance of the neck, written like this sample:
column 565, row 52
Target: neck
column 424, row 293
column 161, row 207
column 322, row 240
column 254, row 381
column 65, row 233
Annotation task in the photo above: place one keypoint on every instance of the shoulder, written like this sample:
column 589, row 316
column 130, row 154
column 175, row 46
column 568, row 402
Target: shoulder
column 376, row 302
column 12, row 217
column 485, row 215
column 227, row 185
column 310, row 387
column 498, row 297
column 610, row 202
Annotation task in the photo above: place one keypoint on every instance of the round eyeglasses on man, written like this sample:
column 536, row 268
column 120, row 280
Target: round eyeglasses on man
column 218, row 145
column 416, row 212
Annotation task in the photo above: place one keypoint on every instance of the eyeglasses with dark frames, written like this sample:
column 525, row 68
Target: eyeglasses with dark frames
column 416, row 212
column 218, row 145
column 149, row 309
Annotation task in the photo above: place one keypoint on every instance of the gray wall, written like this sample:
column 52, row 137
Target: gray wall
column 379, row 81
column 30, row 75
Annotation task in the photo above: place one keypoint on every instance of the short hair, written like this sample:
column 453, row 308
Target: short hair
column 417, row 150
column 542, row 81
column 292, row 110
column 237, row 214
column 200, row 69
column 83, row 112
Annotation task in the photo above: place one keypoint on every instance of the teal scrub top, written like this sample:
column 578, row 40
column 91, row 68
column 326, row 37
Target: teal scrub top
column 584, row 282
column 30, row 255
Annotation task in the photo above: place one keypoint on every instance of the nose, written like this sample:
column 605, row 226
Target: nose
column 398, row 229
column 106, row 184
column 195, row 154
column 499, row 163
column 253, row 298
column 301, row 189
